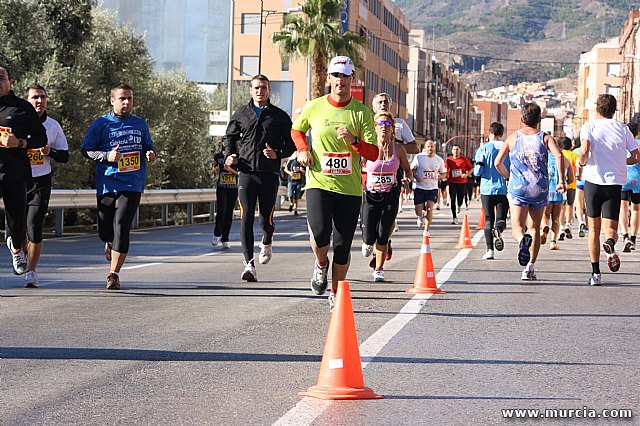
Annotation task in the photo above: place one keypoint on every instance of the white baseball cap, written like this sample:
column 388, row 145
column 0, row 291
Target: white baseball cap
column 341, row 64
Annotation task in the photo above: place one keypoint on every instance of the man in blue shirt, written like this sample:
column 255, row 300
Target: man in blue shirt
column 120, row 144
column 493, row 190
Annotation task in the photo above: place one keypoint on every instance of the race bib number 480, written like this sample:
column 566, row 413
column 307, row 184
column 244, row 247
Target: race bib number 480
column 130, row 162
column 336, row 163
column 36, row 158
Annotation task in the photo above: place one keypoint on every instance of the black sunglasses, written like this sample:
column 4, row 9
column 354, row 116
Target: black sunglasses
column 339, row 75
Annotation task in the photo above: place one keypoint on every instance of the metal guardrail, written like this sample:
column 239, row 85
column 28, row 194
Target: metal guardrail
column 86, row 198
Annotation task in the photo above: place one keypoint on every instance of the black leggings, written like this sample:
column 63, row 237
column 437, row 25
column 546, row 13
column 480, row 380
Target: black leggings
column 495, row 211
column 37, row 206
column 378, row 216
column 326, row 208
column 115, row 215
column 261, row 188
column 225, row 203
column 14, row 195
column 457, row 192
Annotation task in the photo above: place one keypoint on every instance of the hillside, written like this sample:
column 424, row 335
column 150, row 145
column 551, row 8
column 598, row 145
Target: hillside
column 515, row 40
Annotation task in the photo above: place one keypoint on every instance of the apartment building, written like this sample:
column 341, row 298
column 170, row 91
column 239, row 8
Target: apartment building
column 386, row 56
column 598, row 73
column 629, row 49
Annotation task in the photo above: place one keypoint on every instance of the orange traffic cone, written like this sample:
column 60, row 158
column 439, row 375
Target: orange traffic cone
column 425, row 279
column 465, row 235
column 482, row 220
column 341, row 371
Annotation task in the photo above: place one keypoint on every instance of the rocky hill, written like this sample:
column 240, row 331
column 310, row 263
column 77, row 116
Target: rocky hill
column 499, row 42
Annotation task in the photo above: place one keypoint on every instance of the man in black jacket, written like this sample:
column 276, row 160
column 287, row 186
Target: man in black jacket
column 258, row 137
column 20, row 130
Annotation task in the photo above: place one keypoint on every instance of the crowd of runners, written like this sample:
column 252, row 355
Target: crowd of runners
column 352, row 163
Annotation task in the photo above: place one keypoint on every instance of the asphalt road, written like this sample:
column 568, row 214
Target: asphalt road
column 187, row 342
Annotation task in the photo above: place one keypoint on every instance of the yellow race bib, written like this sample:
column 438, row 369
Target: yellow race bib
column 229, row 179
column 36, row 158
column 130, row 162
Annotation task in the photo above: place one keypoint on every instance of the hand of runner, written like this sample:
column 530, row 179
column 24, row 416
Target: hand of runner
column 305, row 158
column 45, row 150
column 115, row 155
column 230, row 159
column 269, row 152
column 343, row 133
column 151, row 156
column 561, row 188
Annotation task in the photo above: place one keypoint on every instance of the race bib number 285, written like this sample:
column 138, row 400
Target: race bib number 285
column 336, row 163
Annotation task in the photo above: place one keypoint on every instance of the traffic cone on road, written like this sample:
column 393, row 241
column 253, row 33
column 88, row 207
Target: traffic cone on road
column 341, row 371
column 425, row 279
column 482, row 220
column 465, row 235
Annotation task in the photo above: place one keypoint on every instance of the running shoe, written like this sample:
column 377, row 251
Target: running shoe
column 332, row 300
column 613, row 261
column 561, row 236
column 366, row 250
column 581, row 230
column 596, row 279
column 396, row 228
column 543, row 235
column 265, row 253
column 389, row 251
column 372, row 263
column 319, row 279
column 524, row 255
column 459, row 209
column 498, row 242
column 214, row 240
column 295, row 212
column 249, row 274
column 528, row 274
column 378, row 276
column 291, row 208
column 454, row 221
column 420, row 221
column 107, row 251
column 567, row 233
column 31, row 280
column 554, row 245
column 113, row 282
column 627, row 246
column 488, row 255
column 18, row 257
column 437, row 206
column 633, row 245
column 225, row 245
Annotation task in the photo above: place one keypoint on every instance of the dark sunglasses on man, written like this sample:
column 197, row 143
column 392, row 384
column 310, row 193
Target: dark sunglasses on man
column 339, row 75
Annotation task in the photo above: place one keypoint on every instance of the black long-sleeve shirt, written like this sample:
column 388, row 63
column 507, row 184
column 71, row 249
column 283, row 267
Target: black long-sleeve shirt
column 21, row 119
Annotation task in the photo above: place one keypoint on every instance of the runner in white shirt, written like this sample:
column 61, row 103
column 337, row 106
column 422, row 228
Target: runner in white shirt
column 427, row 168
column 603, row 159
column 38, row 197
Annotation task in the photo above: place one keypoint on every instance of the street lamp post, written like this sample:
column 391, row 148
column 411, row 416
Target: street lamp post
column 230, row 70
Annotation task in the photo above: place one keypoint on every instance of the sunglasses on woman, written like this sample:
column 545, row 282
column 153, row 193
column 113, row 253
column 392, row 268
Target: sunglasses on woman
column 383, row 123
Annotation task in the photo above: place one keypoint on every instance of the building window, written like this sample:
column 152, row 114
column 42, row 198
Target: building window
column 285, row 63
column 251, row 23
column 613, row 70
column 248, row 66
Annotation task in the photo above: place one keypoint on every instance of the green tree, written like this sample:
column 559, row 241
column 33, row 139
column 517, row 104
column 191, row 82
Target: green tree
column 318, row 34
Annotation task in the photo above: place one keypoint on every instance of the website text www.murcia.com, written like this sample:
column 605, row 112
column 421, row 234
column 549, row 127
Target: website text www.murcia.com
column 567, row 413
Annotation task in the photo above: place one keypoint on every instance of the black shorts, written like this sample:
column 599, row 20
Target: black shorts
column 442, row 184
column 602, row 200
column 421, row 196
column 571, row 196
column 630, row 196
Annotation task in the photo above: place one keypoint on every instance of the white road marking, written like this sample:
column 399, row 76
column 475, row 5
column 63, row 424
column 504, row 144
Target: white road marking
column 308, row 409
column 143, row 265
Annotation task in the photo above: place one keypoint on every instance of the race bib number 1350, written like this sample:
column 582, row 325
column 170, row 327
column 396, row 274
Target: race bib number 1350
column 336, row 163
column 130, row 162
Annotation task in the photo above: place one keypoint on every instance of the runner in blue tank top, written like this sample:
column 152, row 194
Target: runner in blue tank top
column 528, row 179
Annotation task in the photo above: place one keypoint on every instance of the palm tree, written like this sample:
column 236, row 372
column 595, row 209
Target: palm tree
column 317, row 34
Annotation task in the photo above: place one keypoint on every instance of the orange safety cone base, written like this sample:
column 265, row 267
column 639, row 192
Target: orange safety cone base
column 422, row 290
column 341, row 370
column 338, row 393
column 465, row 235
